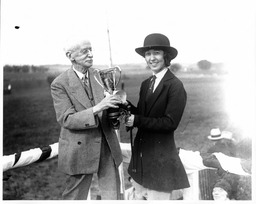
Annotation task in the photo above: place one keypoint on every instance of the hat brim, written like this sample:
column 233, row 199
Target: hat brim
column 224, row 135
column 170, row 50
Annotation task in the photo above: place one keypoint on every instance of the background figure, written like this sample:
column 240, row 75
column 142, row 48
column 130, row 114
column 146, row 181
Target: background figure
column 226, row 187
column 155, row 164
column 221, row 190
column 87, row 142
column 222, row 142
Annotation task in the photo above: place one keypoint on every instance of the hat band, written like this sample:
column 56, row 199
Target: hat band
column 216, row 135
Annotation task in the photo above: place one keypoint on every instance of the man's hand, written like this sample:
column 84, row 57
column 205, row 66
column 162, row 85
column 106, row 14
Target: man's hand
column 110, row 101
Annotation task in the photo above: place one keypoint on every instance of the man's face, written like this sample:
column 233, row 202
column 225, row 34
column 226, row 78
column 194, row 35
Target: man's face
column 82, row 55
column 219, row 194
column 155, row 60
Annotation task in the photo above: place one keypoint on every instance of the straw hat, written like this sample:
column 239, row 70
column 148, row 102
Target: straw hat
column 216, row 134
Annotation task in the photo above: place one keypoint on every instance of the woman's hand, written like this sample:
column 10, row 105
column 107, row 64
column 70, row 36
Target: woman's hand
column 129, row 121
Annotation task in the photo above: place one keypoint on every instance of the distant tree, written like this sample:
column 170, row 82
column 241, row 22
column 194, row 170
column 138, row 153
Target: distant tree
column 25, row 68
column 40, row 69
column 204, row 65
column 34, row 68
column 8, row 68
column 17, row 68
column 175, row 67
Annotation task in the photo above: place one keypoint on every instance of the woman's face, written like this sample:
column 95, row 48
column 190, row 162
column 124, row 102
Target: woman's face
column 219, row 194
column 155, row 60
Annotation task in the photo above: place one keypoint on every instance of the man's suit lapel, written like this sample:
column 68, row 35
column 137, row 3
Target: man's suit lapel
column 152, row 99
column 97, row 90
column 77, row 89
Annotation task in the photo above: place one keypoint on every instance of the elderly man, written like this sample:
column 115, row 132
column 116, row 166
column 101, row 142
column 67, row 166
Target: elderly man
column 87, row 142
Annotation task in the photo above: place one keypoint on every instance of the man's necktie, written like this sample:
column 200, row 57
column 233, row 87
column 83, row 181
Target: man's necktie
column 151, row 86
column 87, row 88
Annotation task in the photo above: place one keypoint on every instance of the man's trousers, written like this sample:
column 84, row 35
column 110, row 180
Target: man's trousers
column 77, row 186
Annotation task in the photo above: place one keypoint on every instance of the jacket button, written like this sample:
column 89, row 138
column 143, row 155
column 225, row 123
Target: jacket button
column 79, row 143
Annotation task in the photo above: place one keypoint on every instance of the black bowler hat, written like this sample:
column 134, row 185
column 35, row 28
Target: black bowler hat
column 157, row 41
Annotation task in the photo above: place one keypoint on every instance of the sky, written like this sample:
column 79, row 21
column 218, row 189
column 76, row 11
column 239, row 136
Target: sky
column 215, row 30
column 220, row 31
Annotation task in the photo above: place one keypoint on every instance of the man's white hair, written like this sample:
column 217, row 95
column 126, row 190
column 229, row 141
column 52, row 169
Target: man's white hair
column 74, row 41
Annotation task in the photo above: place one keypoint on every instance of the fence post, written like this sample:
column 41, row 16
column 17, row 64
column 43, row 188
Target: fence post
column 193, row 192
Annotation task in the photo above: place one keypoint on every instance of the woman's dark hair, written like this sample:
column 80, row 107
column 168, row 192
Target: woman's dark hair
column 167, row 59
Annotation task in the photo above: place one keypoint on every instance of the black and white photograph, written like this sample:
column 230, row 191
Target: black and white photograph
column 123, row 100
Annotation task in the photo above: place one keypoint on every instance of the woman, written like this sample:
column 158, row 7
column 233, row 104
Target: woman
column 155, row 165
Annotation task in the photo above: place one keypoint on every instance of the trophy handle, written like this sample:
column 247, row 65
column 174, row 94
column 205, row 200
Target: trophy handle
column 98, row 74
column 117, row 68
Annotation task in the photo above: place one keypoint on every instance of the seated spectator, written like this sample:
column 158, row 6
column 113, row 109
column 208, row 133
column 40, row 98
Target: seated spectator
column 223, row 142
column 221, row 190
column 232, row 187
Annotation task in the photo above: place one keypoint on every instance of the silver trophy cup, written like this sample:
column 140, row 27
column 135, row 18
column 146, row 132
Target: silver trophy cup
column 108, row 78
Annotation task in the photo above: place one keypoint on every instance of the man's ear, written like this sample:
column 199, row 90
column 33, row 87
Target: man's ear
column 68, row 54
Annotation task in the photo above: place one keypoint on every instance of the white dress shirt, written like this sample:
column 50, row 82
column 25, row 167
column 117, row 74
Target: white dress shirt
column 159, row 77
column 80, row 74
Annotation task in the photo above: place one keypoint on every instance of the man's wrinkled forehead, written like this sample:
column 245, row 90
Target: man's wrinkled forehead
column 85, row 44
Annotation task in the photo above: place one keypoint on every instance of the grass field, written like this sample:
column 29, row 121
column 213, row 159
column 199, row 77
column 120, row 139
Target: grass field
column 29, row 122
